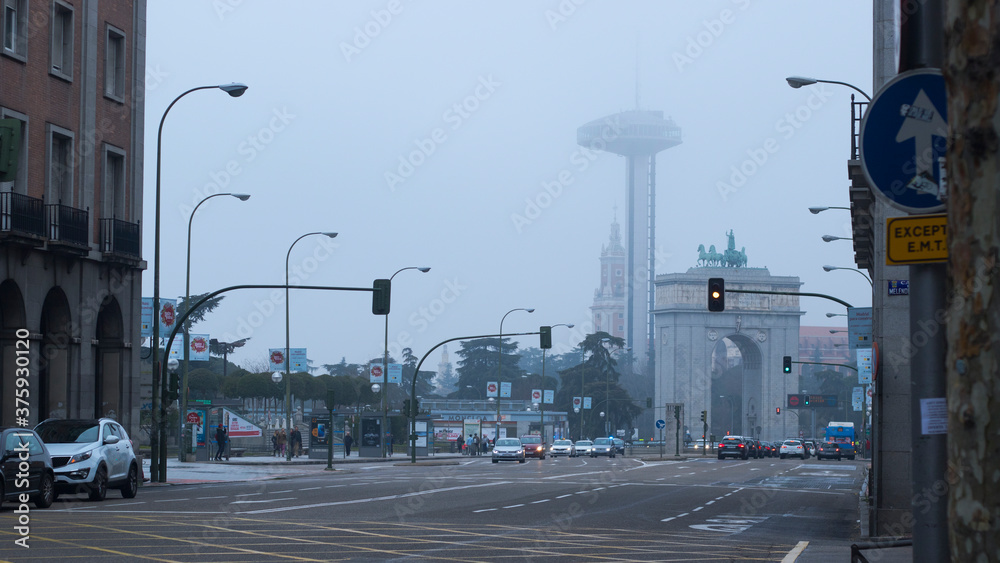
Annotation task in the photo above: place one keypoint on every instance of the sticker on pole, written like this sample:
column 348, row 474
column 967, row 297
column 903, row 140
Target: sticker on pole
column 903, row 141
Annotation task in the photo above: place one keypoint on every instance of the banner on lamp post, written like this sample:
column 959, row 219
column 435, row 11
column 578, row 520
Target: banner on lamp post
column 505, row 389
column 198, row 344
column 491, row 389
column 395, row 373
column 550, row 397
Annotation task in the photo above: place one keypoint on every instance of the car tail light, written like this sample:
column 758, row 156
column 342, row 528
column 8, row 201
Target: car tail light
column 740, row 446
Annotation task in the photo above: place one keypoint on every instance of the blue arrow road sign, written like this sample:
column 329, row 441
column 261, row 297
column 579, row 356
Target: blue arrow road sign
column 904, row 140
column 661, row 424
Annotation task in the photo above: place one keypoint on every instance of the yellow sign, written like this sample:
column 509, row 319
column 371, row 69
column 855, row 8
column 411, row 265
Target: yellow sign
column 916, row 239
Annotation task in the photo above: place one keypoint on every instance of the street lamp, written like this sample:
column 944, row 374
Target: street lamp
column 835, row 331
column 800, row 81
column 832, row 268
column 830, row 238
column 816, row 210
column 158, row 453
column 288, row 345
column 187, row 323
column 499, row 360
column 385, row 359
column 831, row 315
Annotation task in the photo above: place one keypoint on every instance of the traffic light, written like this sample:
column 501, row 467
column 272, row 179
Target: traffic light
column 716, row 294
column 786, row 364
column 545, row 337
column 704, row 416
column 380, row 297
column 173, row 389
column 777, row 410
column 406, row 407
column 805, row 400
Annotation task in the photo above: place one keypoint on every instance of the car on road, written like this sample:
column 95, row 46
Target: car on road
column 533, row 446
column 562, row 447
column 810, row 446
column 22, row 446
column 90, row 456
column 603, row 446
column 583, row 447
column 793, row 448
column 620, row 446
column 508, row 449
column 733, row 446
column 828, row 450
column 770, row 449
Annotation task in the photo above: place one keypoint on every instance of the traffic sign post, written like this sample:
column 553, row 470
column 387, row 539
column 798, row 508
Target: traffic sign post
column 903, row 141
column 916, row 239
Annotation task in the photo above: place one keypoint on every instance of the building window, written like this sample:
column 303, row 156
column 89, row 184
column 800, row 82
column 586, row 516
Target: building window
column 19, row 183
column 15, row 28
column 62, row 40
column 113, row 190
column 59, row 180
column 114, row 65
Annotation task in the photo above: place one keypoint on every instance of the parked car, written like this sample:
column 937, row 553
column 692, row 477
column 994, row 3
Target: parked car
column 790, row 448
column 583, row 447
column 733, row 446
column 562, row 447
column 508, row 449
column 91, row 455
column 828, row 450
column 603, row 446
column 533, row 446
column 22, row 445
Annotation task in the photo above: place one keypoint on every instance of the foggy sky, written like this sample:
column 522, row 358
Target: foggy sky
column 443, row 134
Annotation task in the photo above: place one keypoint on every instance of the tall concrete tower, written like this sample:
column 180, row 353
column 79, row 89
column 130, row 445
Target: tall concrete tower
column 637, row 135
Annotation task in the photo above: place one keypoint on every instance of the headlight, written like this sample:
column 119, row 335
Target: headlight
column 80, row 457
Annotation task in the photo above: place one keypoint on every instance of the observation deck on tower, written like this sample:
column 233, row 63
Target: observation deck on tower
column 630, row 133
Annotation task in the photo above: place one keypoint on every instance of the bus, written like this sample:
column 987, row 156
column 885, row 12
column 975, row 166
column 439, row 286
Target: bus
column 842, row 433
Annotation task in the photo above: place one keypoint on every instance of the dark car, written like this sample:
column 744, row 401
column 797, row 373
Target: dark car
column 619, row 445
column 753, row 447
column 22, row 445
column 603, row 446
column 733, row 446
column 533, row 446
column 828, row 450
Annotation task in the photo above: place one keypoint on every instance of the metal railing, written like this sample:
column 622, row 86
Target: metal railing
column 21, row 214
column 67, row 224
column 121, row 238
column 857, row 114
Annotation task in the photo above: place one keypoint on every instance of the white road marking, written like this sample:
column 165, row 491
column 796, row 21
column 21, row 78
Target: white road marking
column 248, row 495
column 515, row 505
column 485, row 510
column 261, row 501
column 541, row 501
column 564, row 496
column 223, row 496
column 311, row 489
column 697, row 509
column 709, row 502
column 172, row 500
column 795, row 552
column 374, row 499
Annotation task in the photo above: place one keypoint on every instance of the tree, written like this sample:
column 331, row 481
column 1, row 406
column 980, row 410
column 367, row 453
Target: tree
column 598, row 376
column 478, row 365
column 198, row 314
column 203, row 384
column 972, row 39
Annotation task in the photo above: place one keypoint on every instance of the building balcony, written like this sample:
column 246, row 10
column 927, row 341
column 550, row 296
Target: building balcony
column 22, row 219
column 120, row 241
column 67, row 229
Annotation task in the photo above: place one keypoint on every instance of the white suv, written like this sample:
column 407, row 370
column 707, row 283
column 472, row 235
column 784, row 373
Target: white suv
column 88, row 456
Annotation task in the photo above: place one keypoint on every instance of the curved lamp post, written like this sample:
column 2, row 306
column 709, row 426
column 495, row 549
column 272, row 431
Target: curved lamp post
column 816, row 210
column 187, row 325
column 499, row 361
column 288, row 359
column 800, row 81
column 831, row 315
column 832, row 268
column 830, row 238
column 158, row 453
column 385, row 362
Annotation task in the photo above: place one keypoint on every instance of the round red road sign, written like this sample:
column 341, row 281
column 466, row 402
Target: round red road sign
column 793, row 401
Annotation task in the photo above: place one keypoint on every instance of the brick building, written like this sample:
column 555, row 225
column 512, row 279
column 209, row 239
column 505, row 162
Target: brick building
column 71, row 105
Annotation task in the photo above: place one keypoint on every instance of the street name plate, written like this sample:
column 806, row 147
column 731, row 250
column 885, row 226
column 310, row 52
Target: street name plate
column 916, row 239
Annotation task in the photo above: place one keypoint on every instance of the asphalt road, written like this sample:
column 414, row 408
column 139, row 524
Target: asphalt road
column 579, row 509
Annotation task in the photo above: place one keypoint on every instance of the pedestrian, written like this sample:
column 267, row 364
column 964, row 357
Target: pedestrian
column 388, row 444
column 296, row 442
column 468, row 445
column 475, row 444
column 486, row 445
column 458, row 442
column 282, row 442
column 274, row 443
column 348, row 441
column 220, row 439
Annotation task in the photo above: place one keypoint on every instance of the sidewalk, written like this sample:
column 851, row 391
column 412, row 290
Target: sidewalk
column 260, row 468
column 823, row 552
